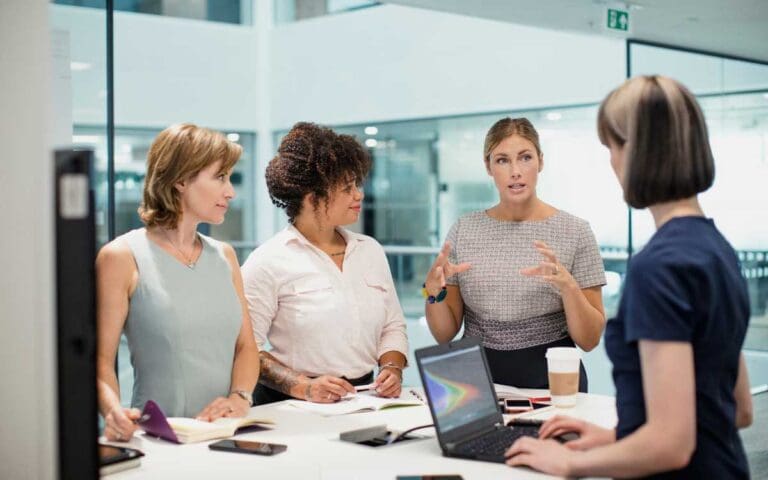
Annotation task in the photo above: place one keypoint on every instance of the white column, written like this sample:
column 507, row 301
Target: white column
column 28, row 434
column 263, row 23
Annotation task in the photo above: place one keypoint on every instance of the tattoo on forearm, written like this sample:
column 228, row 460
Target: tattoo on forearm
column 277, row 376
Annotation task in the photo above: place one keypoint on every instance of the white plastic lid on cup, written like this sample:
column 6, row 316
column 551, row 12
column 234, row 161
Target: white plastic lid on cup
column 563, row 359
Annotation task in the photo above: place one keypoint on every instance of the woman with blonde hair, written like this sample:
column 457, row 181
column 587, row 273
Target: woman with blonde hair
column 177, row 294
column 522, row 276
column 681, row 381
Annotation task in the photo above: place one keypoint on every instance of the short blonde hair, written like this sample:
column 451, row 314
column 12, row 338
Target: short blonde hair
column 178, row 154
column 506, row 127
column 661, row 126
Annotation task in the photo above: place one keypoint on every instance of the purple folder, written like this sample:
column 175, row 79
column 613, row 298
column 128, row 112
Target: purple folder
column 153, row 422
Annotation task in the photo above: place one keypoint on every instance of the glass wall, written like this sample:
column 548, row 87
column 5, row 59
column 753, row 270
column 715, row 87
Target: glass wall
column 287, row 11
column 131, row 147
column 226, row 11
column 82, row 31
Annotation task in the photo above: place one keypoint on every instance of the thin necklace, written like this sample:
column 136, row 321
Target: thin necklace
column 187, row 259
column 336, row 254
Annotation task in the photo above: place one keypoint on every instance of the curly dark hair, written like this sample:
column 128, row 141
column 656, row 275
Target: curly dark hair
column 313, row 159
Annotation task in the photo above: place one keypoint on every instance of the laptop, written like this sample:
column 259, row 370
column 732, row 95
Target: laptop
column 463, row 403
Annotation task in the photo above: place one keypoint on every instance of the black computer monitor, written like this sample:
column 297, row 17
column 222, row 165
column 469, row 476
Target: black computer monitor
column 75, row 237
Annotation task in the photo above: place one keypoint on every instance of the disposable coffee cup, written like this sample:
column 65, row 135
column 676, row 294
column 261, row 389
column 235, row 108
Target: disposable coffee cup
column 563, row 369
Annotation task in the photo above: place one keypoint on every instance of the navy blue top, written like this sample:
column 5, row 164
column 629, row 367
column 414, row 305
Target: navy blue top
column 686, row 286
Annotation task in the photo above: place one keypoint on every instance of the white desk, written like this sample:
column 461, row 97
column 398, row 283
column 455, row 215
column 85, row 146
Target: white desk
column 315, row 451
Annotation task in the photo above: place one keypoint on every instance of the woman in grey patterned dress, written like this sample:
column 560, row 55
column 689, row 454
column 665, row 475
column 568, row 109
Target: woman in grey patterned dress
column 523, row 275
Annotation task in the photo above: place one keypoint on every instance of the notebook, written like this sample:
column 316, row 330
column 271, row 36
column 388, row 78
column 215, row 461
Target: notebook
column 463, row 404
column 357, row 403
column 188, row 430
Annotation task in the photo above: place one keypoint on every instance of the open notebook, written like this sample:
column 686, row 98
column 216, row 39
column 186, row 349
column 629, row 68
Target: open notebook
column 357, row 403
column 188, row 430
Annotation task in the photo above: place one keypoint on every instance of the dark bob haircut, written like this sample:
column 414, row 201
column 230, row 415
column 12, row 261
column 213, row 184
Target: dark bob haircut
column 313, row 160
column 661, row 126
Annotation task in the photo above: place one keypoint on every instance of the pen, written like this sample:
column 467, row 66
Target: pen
column 142, row 418
column 418, row 397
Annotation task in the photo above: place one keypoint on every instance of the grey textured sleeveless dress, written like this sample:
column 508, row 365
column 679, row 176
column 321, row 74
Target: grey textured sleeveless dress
column 182, row 327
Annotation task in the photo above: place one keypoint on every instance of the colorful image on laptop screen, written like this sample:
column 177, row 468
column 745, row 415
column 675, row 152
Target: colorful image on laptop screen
column 458, row 387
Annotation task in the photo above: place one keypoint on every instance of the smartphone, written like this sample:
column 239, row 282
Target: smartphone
column 114, row 459
column 516, row 405
column 245, row 446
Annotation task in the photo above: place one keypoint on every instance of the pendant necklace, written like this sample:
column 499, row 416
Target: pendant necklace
column 187, row 259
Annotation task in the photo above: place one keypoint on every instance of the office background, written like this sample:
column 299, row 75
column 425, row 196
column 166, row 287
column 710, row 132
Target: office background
column 418, row 86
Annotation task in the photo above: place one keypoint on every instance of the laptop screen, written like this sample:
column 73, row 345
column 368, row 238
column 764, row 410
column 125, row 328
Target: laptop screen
column 458, row 387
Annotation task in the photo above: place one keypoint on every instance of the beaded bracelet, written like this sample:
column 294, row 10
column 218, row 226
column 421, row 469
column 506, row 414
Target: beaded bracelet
column 433, row 298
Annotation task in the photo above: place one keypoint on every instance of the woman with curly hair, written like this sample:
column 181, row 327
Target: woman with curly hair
column 177, row 294
column 322, row 296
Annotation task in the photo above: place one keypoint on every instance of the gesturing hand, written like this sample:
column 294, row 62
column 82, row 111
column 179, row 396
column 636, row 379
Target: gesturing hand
column 550, row 269
column 441, row 269
column 327, row 389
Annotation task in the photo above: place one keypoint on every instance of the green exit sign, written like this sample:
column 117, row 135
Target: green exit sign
column 617, row 20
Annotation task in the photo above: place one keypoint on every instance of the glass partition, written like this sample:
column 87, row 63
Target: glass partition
column 226, row 11
column 287, row 11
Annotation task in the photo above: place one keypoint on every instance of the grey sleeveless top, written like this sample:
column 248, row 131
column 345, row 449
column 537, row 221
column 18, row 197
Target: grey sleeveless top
column 182, row 327
column 506, row 309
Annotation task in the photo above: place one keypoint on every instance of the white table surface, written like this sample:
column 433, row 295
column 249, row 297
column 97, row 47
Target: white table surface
column 315, row 451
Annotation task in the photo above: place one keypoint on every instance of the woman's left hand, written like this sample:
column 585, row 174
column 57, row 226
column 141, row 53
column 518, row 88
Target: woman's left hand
column 388, row 383
column 232, row 406
column 550, row 269
column 546, row 456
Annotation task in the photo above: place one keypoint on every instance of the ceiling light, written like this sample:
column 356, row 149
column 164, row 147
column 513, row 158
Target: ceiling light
column 85, row 139
column 371, row 142
column 765, row 96
column 79, row 66
column 233, row 137
column 554, row 116
column 371, row 130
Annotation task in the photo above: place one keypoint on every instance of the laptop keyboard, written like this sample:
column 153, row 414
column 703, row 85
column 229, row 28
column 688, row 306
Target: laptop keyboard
column 496, row 443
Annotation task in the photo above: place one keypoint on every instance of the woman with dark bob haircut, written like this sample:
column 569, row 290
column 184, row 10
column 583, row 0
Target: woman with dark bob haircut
column 322, row 295
column 682, row 389
column 177, row 294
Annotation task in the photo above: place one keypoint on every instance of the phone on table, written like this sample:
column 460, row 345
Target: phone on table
column 114, row 459
column 516, row 405
column 246, row 446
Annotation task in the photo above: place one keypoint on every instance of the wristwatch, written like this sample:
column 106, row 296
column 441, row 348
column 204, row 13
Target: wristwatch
column 247, row 396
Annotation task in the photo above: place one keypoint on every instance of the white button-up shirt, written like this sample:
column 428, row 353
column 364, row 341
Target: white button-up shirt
column 318, row 319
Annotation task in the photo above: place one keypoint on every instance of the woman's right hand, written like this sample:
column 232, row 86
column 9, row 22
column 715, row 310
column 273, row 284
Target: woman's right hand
column 119, row 423
column 590, row 435
column 327, row 389
column 441, row 269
